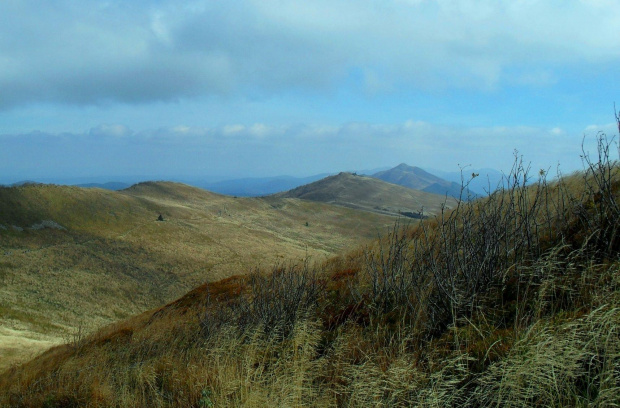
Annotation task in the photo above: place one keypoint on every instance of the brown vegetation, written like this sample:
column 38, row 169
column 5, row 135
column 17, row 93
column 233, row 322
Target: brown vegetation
column 96, row 256
column 512, row 301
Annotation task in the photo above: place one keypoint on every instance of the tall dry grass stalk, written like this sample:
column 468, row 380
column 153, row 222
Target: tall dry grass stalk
column 575, row 363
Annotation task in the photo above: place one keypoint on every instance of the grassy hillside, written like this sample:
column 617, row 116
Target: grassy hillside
column 370, row 194
column 513, row 301
column 73, row 259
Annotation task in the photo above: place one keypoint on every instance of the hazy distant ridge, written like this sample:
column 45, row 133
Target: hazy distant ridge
column 418, row 179
column 255, row 186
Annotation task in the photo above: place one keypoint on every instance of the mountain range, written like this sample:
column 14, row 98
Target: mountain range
column 408, row 176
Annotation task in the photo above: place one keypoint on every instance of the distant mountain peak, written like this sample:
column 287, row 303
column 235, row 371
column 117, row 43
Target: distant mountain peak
column 419, row 179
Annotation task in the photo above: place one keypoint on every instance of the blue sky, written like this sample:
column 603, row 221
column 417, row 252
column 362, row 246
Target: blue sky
column 242, row 88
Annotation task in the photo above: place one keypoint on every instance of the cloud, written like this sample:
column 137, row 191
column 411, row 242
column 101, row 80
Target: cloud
column 262, row 149
column 556, row 131
column 98, row 52
column 233, row 129
column 113, row 131
column 608, row 128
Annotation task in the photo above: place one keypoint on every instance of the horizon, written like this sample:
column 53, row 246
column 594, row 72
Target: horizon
column 201, row 181
column 262, row 89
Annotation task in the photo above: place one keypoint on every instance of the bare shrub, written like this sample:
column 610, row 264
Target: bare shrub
column 275, row 302
column 443, row 270
column 278, row 300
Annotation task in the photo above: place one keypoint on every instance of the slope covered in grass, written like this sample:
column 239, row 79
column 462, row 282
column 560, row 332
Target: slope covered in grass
column 73, row 259
column 513, row 300
column 372, row 195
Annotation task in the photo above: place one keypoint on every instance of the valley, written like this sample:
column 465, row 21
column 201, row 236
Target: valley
column 75, row 259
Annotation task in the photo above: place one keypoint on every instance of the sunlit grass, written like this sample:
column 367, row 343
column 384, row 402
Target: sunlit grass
column 513, row 300
column 112, row 259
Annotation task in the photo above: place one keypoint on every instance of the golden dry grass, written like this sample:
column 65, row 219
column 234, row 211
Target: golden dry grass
column 163, row 358
column 114, row 259
column 447, row 313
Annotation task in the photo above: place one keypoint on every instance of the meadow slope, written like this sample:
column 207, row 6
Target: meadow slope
column 73, row 259
column 372, row 195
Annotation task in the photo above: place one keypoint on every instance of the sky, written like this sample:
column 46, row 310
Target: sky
column 254, row 88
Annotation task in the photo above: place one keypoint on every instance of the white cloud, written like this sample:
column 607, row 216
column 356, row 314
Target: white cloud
column 181, row 129
column 107, row 130
column 611, row 129
column 94, row 51
column 160, row 29
column 233, row 129
column 261, row 130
